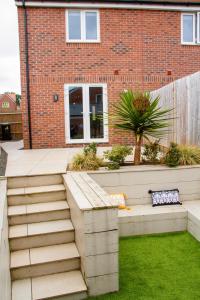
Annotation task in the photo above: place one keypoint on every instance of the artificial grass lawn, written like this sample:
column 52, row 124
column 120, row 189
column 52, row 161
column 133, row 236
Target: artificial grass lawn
column 158, row 267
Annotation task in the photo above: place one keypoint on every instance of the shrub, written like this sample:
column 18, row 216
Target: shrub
column 88, row 160
column 113, row 166
column 182, row 155
column 173, row 156
column 151, row 152
column 118, row 154
column 91, row 148
column 190, row 155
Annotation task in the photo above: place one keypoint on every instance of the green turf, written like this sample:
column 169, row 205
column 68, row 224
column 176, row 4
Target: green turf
column 158, row 267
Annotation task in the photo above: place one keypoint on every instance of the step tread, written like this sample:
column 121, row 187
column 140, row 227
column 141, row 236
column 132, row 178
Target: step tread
column 40, row 228
column 33, row 180
column 42, row 207
column 41, row 255
column 48, row 286
column 36, row 190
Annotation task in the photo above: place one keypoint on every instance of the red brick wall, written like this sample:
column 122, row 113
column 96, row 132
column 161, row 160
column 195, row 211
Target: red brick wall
column 140, row 46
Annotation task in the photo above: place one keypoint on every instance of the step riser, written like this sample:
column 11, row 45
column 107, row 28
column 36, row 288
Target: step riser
column 33, row 181
column 39, row 217
column 36, row 198
column 78, row 296
column 46, row 269
column 41, row 240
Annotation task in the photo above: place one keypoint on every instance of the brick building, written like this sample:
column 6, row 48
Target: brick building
column 10, row 118
column 8, row 103
column 77, row 56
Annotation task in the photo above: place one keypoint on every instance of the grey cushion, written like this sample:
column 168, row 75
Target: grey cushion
column 165, row 197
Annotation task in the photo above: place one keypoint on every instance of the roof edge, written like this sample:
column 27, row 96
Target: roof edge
column 174, row 5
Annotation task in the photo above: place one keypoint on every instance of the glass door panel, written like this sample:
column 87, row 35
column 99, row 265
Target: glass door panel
column 76, row 113
column 96, row 112
column 86, row 105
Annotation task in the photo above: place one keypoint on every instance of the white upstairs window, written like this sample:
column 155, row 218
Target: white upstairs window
column 82, row 26
column 190, row 28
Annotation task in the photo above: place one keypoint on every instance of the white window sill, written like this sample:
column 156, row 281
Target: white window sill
column 84, row 41
column 190, row 44
column 98, row 141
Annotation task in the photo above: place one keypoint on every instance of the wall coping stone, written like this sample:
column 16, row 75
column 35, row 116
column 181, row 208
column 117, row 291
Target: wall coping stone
column 87, row 193
column 143, row 168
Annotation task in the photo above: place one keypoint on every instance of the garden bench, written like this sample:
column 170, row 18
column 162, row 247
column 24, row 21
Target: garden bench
column 193, row 208
column 142, row 218
column 145, row 219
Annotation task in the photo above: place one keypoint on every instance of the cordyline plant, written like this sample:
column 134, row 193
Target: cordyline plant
column 140, row 114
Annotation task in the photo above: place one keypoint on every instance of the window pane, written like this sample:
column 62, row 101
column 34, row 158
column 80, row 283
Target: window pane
column 96, row 112
column 76, row 112
column 188, row 28
column 74, row 23
column 5, row 104
column 91, row 25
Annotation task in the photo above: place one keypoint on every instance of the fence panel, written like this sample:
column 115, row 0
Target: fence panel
column 183, row 96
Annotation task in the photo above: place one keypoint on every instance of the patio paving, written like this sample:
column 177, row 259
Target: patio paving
column 38, row 161
column 12, row 145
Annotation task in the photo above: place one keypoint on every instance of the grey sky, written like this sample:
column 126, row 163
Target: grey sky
column 9, row 48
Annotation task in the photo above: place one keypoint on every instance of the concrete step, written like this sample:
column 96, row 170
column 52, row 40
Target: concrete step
column 61, row 286
column 40, row 234
column 38, row 194
column 39, row 212
column 44, row 261
column 32, row 181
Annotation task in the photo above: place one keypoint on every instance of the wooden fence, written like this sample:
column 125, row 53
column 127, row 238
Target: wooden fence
column 184, row 96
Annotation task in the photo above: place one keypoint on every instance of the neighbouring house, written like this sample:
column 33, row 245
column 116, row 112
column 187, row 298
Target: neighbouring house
column 10, row 118
column 8, row 103
column 77, row 56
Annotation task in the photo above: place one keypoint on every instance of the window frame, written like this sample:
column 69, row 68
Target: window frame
column 86, row 112
column 194, row 29
column 83, row 26
column 198, row 28
column 5, row 106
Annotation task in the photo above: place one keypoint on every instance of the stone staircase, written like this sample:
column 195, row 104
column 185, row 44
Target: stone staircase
column 44, row 260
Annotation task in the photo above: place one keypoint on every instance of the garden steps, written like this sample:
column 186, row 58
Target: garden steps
column 33, row 213
column 34, row 181
column 32, row 195
column 40, row 234
column 61, row 286
column 44, row 260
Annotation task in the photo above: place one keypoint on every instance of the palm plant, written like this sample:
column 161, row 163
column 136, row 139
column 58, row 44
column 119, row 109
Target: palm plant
column 140, row 114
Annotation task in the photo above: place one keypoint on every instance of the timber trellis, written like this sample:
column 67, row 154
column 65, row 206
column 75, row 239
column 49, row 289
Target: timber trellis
column 184, row 96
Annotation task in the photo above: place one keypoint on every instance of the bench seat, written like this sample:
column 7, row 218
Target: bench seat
column 145, row 219
column 193, row 208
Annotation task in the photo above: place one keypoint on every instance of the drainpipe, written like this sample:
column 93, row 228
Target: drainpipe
column 27, row 73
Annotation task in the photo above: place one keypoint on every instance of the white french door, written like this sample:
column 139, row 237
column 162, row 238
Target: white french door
column 86, row 110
